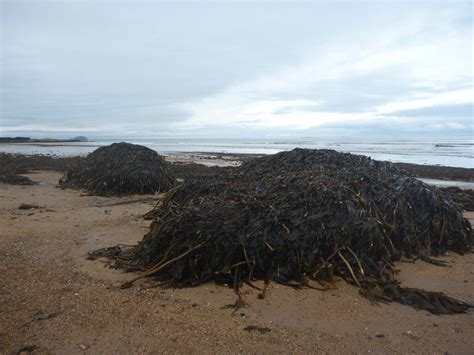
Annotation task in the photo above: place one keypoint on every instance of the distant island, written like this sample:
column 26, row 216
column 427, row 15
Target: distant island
column 43, row 140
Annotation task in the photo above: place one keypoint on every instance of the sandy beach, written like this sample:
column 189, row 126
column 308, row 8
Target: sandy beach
column 54, row 300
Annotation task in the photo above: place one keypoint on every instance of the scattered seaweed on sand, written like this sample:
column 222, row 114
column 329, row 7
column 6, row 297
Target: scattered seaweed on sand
column 120, row 169
column 301, row 218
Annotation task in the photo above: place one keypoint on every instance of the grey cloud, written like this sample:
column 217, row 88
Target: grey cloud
column 133, row 65
column 460, row 111
column 390, row 128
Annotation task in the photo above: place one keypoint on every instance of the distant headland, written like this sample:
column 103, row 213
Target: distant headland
column 42, row 140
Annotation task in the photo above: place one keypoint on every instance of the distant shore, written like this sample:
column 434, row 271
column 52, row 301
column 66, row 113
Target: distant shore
column 432, row 153
column 51, row 143
column 18, row 140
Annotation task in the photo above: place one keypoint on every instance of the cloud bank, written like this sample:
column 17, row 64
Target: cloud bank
column 158, row 69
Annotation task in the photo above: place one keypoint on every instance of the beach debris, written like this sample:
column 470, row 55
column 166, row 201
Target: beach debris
column 120, row 169
column 301, row 218
column 110, row 252
column 261, row 330
column 27, row 349
column 46, row 315
column 27, row 206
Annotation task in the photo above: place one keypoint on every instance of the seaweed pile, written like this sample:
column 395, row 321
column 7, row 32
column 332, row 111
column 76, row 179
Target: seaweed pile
column 22, row 164
column 14, row 179
column 11, row 165
column 463, row 198
column 301, row 218
column 120, row 169
column 189, row 171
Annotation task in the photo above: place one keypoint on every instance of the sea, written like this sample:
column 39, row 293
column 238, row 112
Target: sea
column 459, row 153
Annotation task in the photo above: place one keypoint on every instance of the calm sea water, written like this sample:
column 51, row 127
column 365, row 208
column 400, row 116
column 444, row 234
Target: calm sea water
column 448, row 153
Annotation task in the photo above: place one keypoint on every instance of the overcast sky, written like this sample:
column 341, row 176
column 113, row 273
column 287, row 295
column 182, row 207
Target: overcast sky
column 252, row 69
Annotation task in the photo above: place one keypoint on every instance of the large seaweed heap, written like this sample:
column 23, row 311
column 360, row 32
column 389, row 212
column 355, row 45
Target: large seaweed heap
column 120, row 169
column 299, row 217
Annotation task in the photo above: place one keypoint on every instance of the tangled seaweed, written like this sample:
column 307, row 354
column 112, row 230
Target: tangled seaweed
column 463, row 198
column 301, row 217
column 120, row 169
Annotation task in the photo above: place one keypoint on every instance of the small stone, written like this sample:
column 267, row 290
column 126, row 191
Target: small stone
column 83, row 347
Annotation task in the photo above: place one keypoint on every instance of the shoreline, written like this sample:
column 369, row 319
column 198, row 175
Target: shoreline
column 436, row 175
column 415, row 153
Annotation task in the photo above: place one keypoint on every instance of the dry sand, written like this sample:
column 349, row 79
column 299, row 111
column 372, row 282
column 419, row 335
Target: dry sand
column 53, row 300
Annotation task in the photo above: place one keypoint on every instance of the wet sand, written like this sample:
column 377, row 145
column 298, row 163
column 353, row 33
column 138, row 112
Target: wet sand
column 53, row 300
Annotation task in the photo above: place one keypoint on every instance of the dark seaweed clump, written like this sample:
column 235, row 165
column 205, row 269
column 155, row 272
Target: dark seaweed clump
column 120, row 169
column 191, row 171
column 23, row 164
column 301, row 218
column 463, row 198
column 14, row 179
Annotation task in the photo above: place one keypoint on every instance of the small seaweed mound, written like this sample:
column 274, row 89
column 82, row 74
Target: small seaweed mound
column 302, row 217
column 14, row 179
column 12, row 165
column 120, row 169
column 23, row 164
